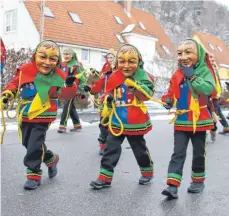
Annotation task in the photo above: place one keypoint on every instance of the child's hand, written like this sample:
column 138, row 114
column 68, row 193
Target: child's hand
column 87, row 88
column 110, row 98
column 215, row 117
column 169, row 103
column 187, row 71
column 70, row 80
column 4, row 101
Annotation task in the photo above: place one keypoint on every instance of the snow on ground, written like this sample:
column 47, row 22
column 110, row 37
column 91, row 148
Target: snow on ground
column 55, row 124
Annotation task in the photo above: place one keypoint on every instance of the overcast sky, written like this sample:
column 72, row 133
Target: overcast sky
column 225, row 2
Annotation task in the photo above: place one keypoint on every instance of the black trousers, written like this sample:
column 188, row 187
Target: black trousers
column 103, row 134
column 33, row 138
column 223, row 120
column 113, row 151
column 69, row 109
column 218, row 111
column 181, row 140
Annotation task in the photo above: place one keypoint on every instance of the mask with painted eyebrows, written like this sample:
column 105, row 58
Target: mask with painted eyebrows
column 128, row 60
column 187, row 53
column 46, row 57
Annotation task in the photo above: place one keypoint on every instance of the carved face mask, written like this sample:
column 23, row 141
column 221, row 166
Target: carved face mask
column 212, row 59
column 67, row 56
column 46, row 58
column 187, row 53
column 111, row 58
column 128, row 60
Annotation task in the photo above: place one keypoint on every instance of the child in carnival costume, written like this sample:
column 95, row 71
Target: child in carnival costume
column 227, row 100
column 2, row 56
column 123, row 102
column 190, row 88
column 72, row 67
column 217, row 101
column 100, row 87
column 39, row 83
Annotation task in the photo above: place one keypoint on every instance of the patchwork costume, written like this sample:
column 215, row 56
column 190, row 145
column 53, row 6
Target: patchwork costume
column 37, row 109
column 2, row 57
column 121, row 106
column 99, row 87
column 72, row 68
column 192, row 120
column 217, row 100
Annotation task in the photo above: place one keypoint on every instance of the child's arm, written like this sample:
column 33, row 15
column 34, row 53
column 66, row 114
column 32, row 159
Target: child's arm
column 13, row 85
column 168, row 98
column 98, row 86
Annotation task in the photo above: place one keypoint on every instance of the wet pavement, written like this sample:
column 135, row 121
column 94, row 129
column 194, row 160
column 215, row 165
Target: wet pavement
column 69, row 193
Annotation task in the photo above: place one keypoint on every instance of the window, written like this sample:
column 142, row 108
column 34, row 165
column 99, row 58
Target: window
column 120, row 39
column 11, row 21
column 118, row 20
column 141, row 25
column 165, row 48
column 129, row 28
column 85, row 55
column 212, row 47
column 75, row 18
column 219, row 48
column 48, row 12
column 103, row 57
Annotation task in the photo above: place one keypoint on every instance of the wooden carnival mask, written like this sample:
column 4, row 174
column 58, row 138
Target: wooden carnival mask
column 187, row 53
column 46, row 57
column 111, row 59
column 128, row 60
column 68, row 54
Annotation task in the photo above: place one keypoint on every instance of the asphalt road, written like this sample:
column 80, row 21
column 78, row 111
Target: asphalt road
column 69, row 193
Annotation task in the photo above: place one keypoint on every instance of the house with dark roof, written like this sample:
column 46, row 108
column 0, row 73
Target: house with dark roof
column 90, row 27
column 219, row 49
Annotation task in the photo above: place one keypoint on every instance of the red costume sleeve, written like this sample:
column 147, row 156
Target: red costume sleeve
column 68, row 93
column 169, row 93
column 98, row 86
column 13, row 85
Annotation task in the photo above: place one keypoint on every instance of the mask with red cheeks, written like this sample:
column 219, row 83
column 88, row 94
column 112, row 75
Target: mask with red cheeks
column 67, row 56
column 46, row 57
column 212, row 59
column 128, row 60
column 187, row 53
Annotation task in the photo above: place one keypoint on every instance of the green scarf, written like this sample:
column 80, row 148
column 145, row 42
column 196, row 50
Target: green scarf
column 44, row 82
column 200, row 68
column 73, row 62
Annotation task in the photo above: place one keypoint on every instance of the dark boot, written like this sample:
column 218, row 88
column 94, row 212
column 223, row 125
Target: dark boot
column 31, row 184
column 196, row 187
column 170, row 192
column 99, row 184
column 224, row 132
column 145, row 180
column 61, row 130
column 76, row 129
column 101, row 150
column 52, row 171
column 213, row 136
